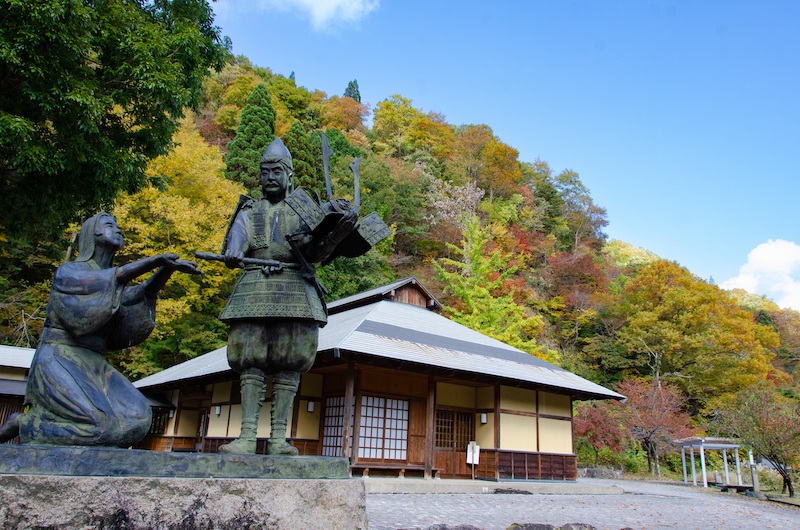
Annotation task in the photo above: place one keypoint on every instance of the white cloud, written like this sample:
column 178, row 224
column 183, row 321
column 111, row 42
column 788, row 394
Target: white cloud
column 325, row 14
column 773, row 270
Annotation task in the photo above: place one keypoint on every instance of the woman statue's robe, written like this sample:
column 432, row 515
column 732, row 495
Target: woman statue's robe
column 74, row 396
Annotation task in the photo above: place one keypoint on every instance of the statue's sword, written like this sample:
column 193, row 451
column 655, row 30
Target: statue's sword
column 326, row 154
column 356, row 184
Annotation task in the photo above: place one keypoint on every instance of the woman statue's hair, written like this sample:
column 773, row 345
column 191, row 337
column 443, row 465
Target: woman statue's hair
column 87, row 237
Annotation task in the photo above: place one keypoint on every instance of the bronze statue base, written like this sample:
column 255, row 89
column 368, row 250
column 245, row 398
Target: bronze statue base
column 107, row 461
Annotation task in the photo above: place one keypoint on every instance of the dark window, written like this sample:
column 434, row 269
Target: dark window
column 333, row 427
column 454, row 430
column 160, row 421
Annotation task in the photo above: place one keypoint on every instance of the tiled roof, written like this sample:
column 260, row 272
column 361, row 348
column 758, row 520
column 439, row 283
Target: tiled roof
column 15, row 357
column 403, row 332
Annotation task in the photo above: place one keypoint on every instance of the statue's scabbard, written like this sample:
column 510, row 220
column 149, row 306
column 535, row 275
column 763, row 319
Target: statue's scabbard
column 308, row 270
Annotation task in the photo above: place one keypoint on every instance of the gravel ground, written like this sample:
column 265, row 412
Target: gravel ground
column 643, row 505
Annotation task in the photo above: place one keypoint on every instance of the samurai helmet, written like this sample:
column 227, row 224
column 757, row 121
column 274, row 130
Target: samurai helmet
column 277, row 152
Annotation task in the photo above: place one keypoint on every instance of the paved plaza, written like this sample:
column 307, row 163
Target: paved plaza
column 640, row 505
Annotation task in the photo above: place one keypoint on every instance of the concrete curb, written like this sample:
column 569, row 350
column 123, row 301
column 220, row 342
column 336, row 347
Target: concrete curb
column 376, row 485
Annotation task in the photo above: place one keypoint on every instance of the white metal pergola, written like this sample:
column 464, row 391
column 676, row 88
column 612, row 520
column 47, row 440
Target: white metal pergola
column 699, row 444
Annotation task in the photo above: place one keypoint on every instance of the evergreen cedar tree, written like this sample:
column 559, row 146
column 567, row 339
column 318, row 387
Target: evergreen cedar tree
column 352, row 91
column 255, row 131
column 89, row 93
column 304, row 159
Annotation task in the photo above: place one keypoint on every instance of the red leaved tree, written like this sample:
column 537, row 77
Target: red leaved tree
column 596, row 426
column 655, row 415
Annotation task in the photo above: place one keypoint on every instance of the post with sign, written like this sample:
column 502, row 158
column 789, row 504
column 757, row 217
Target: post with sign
column 473, row 456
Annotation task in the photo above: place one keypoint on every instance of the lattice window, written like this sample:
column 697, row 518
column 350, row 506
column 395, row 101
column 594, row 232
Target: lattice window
column 333, row 427
column 383, row 429
column 160, row 421
column 454, row 430
column 444, row 428
column 464, row 431
column 396, row 440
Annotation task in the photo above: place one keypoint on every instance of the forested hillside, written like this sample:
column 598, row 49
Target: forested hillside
column 513, row 248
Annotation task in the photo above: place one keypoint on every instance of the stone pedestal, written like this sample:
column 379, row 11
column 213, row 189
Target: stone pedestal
column 127, row 498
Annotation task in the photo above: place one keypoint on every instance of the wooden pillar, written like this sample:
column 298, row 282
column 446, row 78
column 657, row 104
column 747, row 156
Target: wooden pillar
column 537, row 422
column 703, row 464
column 356, row 417
column 694, row 475
column 295, row 413
column 738, row 466
column 349, row 400
column 683, row 461
column 177, row 417
column 725, row 461
column 497, row 417
column 430, row 427
column 497, row 431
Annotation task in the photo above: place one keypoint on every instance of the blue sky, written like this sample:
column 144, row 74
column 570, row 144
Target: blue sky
column 681, row 117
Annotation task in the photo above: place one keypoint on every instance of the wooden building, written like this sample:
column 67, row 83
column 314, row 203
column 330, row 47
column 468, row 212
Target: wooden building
column 15, row 363
column 399, row 389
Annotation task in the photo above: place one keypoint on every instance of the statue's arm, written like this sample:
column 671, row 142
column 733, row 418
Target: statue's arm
column 237, row 240
column 166, row 264
column 323, row 246
column 129, row 271
column 158, row 280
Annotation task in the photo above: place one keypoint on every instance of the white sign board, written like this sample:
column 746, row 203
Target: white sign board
column 473, row 453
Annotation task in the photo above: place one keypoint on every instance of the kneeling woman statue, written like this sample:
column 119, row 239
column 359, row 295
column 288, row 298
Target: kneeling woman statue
column 74, row 397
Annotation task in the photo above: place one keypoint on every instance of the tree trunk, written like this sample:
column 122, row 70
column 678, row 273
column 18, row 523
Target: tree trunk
column 787, row 480
column 649, row 452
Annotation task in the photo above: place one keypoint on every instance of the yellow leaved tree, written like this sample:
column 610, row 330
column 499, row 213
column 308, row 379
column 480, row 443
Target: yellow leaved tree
column 186, row 208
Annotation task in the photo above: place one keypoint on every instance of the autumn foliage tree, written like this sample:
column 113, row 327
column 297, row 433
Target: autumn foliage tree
column 595, row 425
column 584, row 219
column 466, row 159
column 483, row 303
column 401, row 130
column 344, row 113
column 501, row 174
column 189, row 212
column 655, row 415
column 575, row 278
column 234, row 99
column 687, row 331
column 769, row 423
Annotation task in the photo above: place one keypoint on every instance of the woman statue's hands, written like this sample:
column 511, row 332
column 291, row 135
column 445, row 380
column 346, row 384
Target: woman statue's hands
column 172, row 262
